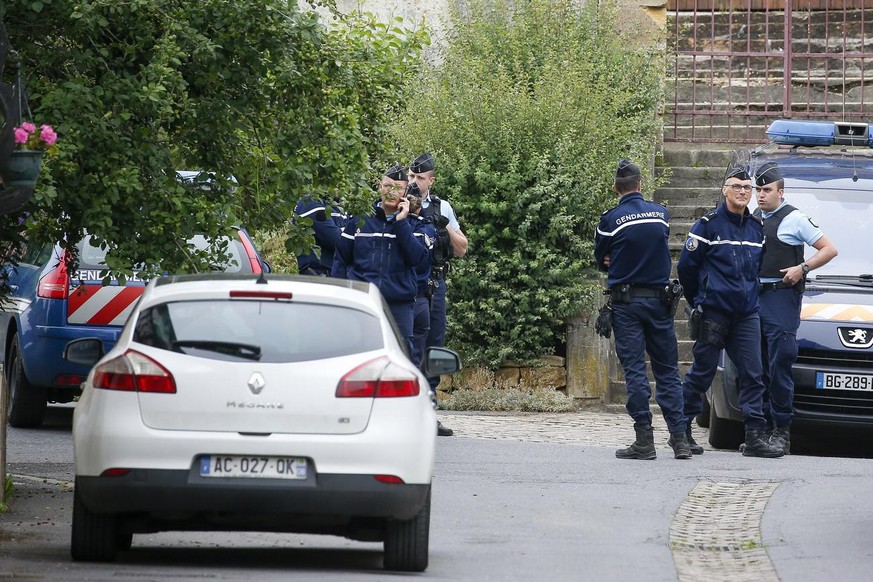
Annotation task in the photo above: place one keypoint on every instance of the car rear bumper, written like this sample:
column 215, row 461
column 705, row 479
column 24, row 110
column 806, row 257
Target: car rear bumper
column 165, row 492
column 43, row 351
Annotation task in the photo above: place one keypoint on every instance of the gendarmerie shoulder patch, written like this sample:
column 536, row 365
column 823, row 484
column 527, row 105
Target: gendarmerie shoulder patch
column 691, row 244
column 709, row 216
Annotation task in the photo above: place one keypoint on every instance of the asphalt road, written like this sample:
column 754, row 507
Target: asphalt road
column 510, row 503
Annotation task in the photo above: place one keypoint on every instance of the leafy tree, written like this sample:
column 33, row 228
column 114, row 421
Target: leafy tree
column 265, row 91
column 528, row 108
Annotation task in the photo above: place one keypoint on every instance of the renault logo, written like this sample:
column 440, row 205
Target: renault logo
column 257, row 383
column 856, row 337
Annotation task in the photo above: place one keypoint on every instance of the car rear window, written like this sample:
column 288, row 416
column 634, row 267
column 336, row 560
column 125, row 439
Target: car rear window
column 266, row 331
column 93, row 259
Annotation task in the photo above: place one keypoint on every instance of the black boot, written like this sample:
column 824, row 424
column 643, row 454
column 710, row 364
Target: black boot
column 679, row 442
column 643, row 447
column 692, row 444
column 781, row 439
column 443, row 430
column 758, row 445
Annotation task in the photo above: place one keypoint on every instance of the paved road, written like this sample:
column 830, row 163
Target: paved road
column 516, row 497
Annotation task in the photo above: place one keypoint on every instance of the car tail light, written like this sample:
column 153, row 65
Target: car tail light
column 134, row 372
column 56, row 283
column 390, row 479
column 68, row 379
column 379, row 378
column 252, row 254
column 261, row 295
column 115, row 472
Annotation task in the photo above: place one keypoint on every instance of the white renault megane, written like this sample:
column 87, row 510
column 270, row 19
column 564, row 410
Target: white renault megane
column 232, row 403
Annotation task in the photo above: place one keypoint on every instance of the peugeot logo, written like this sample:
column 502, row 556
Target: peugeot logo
column 855, row 337
column 256, row 383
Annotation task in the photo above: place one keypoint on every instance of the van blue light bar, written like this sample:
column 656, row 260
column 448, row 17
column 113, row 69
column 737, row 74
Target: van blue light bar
column 819, row 133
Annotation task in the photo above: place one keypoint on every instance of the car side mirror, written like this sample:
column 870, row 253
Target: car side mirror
column 84, row 351
column 439, row 361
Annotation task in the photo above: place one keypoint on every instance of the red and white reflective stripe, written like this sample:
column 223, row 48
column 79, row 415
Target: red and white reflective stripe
column 99, row 305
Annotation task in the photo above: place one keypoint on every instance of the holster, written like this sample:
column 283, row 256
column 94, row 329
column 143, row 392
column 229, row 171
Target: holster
column 695, row 319
column 706, row 330
column 671, row 296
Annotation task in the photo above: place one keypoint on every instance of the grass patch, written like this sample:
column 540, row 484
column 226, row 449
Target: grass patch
column 509, row 400
column 7, row 493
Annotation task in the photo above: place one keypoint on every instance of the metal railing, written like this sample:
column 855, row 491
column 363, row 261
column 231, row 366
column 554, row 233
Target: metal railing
column 735, row 65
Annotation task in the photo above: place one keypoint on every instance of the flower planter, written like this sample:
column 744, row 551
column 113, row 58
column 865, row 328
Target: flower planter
column 21, row 169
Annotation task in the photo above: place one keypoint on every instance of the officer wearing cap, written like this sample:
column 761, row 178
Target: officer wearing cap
column 783, row 278
column 631, row 245
column 383, row 250
column 450, row 242
column 328, row 221
column 425, row 233
column 718, row 269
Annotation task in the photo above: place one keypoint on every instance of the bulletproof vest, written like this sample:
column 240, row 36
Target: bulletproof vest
column 779, row 255
column 442, row 248
column 433, row 208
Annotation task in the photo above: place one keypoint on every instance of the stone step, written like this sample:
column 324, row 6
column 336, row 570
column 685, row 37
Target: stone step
column 700, row 196
column 685, row 215
column 692, row 155
column 691, row 177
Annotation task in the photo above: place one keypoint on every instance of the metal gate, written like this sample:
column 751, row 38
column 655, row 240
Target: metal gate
column 735, row 65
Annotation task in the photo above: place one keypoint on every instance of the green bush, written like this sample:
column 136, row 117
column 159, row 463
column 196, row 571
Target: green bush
column 528, row 107
column 269, row 91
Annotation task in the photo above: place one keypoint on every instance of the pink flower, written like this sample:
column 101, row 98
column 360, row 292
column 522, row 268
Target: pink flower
column 48, row 135
column 27, row 138
column 21, row 135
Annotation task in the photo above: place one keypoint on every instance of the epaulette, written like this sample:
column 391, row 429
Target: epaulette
column 709, row 216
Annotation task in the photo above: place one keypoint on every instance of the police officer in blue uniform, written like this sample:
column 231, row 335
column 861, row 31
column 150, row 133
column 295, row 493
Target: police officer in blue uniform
column 328, row 221
column 631, row 245
column 783, row 278
column 450, row 243
column 718, row 269
column 425, row 233
column 383, row 250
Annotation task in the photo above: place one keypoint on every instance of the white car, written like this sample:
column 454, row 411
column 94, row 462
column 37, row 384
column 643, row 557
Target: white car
column 234, row 403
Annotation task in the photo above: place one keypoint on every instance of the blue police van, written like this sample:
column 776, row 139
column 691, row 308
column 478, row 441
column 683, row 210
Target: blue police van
column 828, row 173
column 47, row 307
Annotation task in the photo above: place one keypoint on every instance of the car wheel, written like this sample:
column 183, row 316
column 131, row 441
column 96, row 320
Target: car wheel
column 724, row 433
column 703, row 417
column 27, row 403
column 406, row 542
column 95, row 537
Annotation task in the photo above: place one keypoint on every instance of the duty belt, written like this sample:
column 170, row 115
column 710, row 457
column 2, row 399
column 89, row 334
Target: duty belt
column 764, row 287
column 622, row 293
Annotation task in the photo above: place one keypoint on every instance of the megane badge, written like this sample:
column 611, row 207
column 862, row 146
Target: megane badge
column 257, row 383
column 855, row 337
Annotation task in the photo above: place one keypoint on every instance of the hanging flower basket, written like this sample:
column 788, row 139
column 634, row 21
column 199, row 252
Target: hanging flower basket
column 21, row 169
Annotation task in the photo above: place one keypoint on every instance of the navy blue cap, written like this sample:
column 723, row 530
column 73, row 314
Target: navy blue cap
column 421, row 164
column 737, row 172
column 397, row 172
column 627, row 169
column 767, row 174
